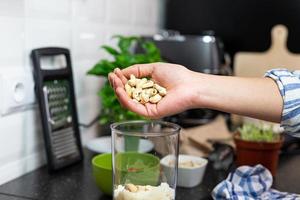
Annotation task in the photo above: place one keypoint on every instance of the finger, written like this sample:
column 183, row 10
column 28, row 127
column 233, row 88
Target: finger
column 139, row 70
column 116, row 81
column 119, row 73
column 129, row 103
column 110, row 79
column 121, row 102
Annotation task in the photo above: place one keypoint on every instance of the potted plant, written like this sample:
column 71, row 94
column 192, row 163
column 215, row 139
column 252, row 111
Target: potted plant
column 258, row 145
column 122, row 57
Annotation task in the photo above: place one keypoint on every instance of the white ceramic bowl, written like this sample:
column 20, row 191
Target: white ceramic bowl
column 187, row 177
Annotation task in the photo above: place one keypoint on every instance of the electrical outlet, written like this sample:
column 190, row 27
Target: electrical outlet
column 17, row 92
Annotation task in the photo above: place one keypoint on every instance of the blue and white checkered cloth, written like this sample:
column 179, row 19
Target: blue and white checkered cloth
column 250, row 183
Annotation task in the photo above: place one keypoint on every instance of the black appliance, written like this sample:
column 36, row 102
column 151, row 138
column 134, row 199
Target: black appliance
column 202, row 53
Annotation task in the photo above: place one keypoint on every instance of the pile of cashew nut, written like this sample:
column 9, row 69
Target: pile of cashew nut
column 144, row 90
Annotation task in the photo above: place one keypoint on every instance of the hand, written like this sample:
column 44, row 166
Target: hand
column 177, row 79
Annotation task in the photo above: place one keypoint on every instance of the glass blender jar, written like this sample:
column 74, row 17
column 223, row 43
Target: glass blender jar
column 145, row 160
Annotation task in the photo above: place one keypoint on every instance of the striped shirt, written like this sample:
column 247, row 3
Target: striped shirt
column 289, row 85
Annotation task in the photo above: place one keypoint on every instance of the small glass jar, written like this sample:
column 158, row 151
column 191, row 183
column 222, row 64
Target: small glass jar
column 145, row 160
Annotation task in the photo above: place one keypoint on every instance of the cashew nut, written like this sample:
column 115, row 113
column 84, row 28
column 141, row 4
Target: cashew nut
column 151, row 92
column 147, row 187
column 132, row 81
column 144, row 97
column 161, row 90
column 128, row 89
column 141, row 188
column 141, row 82
column 148, row 84
column 131, row 188
column 136, row 93
column 155, row 99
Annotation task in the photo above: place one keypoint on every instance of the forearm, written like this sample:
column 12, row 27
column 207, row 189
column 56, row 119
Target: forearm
column 254, row 97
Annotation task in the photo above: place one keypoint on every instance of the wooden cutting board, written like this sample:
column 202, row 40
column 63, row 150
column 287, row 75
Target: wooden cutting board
column 255, row 64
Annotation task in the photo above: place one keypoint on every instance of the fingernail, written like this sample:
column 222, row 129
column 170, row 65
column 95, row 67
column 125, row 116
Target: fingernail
column 116, row 69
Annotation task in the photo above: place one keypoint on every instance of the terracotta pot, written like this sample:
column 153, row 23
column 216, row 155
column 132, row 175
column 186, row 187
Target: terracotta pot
column 253, row 153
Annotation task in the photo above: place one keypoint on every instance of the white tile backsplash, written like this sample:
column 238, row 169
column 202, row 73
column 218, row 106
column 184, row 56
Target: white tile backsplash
column 86, row 84
column 21, row 148
column 147, row 17
column 53, row 9
column 12, row 8
column 22, row 165
column 6, row 148
column 89, row 10
column 144, row 30
column 41, row 33
column 87, row 37
column 46, row 33
column 141, row 16
column 80, row 25
column 11, row 42
column 120, row 11
column 156, row 7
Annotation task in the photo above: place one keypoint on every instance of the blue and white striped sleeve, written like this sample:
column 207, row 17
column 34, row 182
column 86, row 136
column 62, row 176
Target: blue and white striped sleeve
column 289, row 85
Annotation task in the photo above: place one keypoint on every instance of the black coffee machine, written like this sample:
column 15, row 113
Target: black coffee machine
column 202, row 53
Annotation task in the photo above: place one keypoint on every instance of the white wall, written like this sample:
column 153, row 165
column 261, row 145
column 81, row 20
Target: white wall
column 80, row 25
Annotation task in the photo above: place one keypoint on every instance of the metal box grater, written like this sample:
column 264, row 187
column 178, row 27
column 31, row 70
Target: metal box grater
column 55, row 93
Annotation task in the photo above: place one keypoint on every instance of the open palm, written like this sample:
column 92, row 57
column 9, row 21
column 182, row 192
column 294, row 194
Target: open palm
column 177, row 79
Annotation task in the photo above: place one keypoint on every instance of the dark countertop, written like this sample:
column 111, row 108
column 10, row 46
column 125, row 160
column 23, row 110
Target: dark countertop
column 76, row 183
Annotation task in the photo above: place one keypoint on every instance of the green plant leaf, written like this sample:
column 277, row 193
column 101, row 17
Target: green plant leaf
column 123, row 60
column 103, row 119
column 126, row 42
column 108, row 96
column 150, row 47
column 110, row 50
column 252, row 132
column 151, row 51
column 139, row 59
column 102, row 68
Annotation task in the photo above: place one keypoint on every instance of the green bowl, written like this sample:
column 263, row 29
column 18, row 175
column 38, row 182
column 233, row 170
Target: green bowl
column 102, row 172
column 133, row 167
